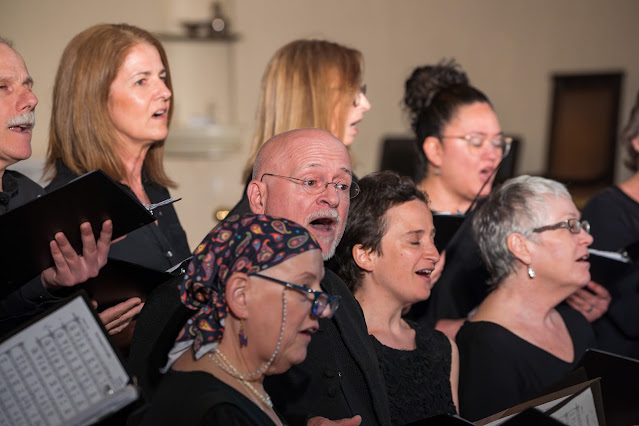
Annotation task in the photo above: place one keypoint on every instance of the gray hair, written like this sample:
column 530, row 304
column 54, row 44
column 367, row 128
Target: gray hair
column 518, row 206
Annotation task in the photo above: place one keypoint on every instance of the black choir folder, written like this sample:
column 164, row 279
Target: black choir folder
column 27, row 230
column 580, row 404
column 608, row 267
column 446, row 226
column 619, row 385
column 119, row 280
column 61, row 369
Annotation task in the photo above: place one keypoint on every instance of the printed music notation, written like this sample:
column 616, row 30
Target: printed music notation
column 60, row 370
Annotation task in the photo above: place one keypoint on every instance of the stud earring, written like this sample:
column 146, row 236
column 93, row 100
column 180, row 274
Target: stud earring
column 243, row 338
column 437, row 171
column 531, row 272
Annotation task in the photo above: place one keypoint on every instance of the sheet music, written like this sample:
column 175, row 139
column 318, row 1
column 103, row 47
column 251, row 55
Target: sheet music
column 58, row 369
column 580, row 411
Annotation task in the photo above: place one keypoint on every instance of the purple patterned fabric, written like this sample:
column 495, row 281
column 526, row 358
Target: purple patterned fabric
column 247, row 243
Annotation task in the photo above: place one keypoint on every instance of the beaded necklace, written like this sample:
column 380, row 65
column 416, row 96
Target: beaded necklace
column 221, row 361
column 225, row 365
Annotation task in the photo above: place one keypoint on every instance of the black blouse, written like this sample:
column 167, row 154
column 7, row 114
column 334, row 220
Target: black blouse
column 199, row 398
column 498, row 369
column 418, row 381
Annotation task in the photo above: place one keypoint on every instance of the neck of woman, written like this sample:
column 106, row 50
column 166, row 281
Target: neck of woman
column 521, row 299
column 383, row 315
column 132, row 158
column 442, row 199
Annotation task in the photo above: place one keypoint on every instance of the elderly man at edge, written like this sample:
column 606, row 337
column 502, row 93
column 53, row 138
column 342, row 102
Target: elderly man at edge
column 17, row 113
column 295, row 177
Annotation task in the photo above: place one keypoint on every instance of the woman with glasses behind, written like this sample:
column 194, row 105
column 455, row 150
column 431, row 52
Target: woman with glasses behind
column 254, row 287
column 459, row 139
column 519, row 342
column 460, row 145
column 386, row 257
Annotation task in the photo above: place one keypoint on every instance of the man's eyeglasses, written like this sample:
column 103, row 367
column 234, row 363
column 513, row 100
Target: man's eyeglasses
column 573, row 225
column 358, row 98
column 321, row 300
column 317, row 186
column 476, row 140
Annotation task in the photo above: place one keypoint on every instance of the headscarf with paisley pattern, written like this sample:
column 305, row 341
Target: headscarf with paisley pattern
column 247, row 243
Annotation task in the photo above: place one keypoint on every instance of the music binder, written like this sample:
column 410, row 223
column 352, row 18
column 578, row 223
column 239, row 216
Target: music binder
column 607, row 268
column 27, row 230
column 119, row 280
column 446, row 225
column 619, row 385
column 61, row 369
column 582, row 403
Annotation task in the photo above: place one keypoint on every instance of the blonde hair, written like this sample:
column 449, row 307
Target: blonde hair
column 81, row 132
column 303, row 85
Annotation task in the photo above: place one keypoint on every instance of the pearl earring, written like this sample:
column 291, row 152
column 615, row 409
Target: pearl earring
column 531, row 272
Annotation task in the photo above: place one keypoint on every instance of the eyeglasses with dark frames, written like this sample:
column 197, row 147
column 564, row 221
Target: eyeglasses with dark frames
column 358, row 98
column 321, row 300
column 573, row 225
column 476, row 140
column 317, row 186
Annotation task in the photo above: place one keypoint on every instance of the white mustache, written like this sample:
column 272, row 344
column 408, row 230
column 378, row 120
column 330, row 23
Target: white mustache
column 22, row 119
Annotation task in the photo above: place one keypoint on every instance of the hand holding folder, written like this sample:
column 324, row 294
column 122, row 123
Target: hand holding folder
column 28, row 230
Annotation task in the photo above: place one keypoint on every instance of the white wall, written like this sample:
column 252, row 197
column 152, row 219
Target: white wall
column 510, row 49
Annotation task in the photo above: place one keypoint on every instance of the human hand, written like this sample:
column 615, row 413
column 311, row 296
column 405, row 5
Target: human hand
column 70, row 268
column 118, row 317
column 592, row 301
column 439, row 268
column 322, row 421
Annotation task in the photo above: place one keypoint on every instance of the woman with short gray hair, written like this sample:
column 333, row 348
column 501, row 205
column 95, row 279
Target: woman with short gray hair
column 519, row 342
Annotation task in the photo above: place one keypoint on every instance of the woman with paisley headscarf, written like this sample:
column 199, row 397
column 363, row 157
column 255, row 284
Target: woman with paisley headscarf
column 254, row 287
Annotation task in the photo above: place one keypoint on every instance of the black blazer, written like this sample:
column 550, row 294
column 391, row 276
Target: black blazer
column 340, row 377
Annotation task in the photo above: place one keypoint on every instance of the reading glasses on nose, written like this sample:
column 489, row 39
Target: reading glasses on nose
column 321, row 300
column 317, row 186
column 476, row 140
column 573, row 225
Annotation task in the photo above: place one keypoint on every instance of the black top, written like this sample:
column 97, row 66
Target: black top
column 418, row 381
column 614, row 219
column 199, row 398
column 498, row 369
column 158, row 246
column 340, row 376
column 32, row 297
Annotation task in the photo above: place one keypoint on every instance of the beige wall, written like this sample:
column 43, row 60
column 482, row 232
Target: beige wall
column 509, row 48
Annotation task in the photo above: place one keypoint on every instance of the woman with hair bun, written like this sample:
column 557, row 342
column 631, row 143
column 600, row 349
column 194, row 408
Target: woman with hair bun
column 460, row 143
column 458, row 135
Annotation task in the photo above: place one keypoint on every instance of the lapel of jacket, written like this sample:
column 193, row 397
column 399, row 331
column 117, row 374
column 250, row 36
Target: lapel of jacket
column 352, row 327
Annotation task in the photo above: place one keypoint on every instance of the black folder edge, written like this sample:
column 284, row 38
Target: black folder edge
column 133, row 215
column 82, row 294
column 569, row 392
column 126, row 278
column 618, row 390
column 446, row 226
column 608, row 271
